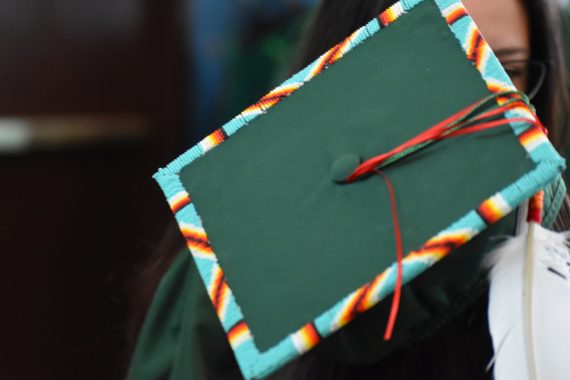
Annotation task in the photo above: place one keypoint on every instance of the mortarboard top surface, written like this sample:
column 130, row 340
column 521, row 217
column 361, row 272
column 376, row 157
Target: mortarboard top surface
column 287, row 254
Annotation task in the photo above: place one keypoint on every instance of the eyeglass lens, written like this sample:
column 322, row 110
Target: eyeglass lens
column 527, row 75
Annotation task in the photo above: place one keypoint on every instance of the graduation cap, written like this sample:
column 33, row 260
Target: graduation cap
column 291, row 228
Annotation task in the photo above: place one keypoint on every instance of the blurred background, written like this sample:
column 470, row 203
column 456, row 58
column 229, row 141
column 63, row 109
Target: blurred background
column 94, row 97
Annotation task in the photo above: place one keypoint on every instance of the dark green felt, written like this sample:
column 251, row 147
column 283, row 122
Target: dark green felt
column 292, row 242
column 428, row 302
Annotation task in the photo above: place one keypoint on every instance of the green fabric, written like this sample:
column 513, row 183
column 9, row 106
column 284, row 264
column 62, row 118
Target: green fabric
column 554, row 195
column 182, row 338
column 428, row 302
column 285, row 233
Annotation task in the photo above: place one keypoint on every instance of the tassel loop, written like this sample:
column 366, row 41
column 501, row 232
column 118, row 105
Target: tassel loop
column 477, row 117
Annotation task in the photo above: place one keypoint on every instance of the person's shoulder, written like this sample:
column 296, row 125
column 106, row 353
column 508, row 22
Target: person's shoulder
column 182, row 337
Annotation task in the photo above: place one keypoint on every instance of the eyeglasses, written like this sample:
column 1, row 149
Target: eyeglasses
column 532, row 72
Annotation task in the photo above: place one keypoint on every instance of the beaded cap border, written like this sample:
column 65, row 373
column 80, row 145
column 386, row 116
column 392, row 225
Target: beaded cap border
column 256, row 364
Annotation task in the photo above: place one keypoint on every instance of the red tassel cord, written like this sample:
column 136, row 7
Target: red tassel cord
column 535, row 206
column 477, row 117
column 399, row 257
column 469, row 120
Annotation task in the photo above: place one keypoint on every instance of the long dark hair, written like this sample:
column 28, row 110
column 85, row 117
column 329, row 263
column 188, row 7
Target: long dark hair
column 145, row 279
column 551, row 101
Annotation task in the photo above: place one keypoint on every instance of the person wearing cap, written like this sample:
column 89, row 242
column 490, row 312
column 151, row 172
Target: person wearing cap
column 447, row 335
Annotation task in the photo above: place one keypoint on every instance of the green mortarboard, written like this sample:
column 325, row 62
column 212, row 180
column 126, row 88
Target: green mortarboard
column 288, row 253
